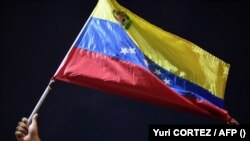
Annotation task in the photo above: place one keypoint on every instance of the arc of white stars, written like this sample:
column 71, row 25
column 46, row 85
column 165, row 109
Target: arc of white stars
column 124, row 51
column 158, row 72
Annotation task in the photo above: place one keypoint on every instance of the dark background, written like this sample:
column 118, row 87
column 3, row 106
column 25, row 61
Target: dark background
column 35, row 36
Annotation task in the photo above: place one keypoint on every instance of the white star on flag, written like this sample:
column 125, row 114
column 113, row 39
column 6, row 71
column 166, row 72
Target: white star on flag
column 166, row 81
column 158, row 72
column 146, row 62
column 124, row 51
column 132, row 50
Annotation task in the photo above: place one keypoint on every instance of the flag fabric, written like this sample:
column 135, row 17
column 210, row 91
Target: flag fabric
column 121, row 53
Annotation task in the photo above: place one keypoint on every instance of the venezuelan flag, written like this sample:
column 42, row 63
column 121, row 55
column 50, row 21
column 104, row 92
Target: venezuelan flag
column 119, row 52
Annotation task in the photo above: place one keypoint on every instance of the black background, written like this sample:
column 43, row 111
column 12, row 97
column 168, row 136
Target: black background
column 35, row 36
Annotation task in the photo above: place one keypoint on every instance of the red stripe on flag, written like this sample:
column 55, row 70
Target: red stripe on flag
column 98, row 71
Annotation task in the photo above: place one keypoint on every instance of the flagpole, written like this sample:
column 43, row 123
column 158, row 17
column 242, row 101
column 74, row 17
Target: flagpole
column 39, row 103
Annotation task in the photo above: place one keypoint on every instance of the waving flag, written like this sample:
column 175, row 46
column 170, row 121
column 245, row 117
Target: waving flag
column 121, row 53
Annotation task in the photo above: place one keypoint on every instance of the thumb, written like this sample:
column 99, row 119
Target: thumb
column 34, row 119
column 33, row 128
